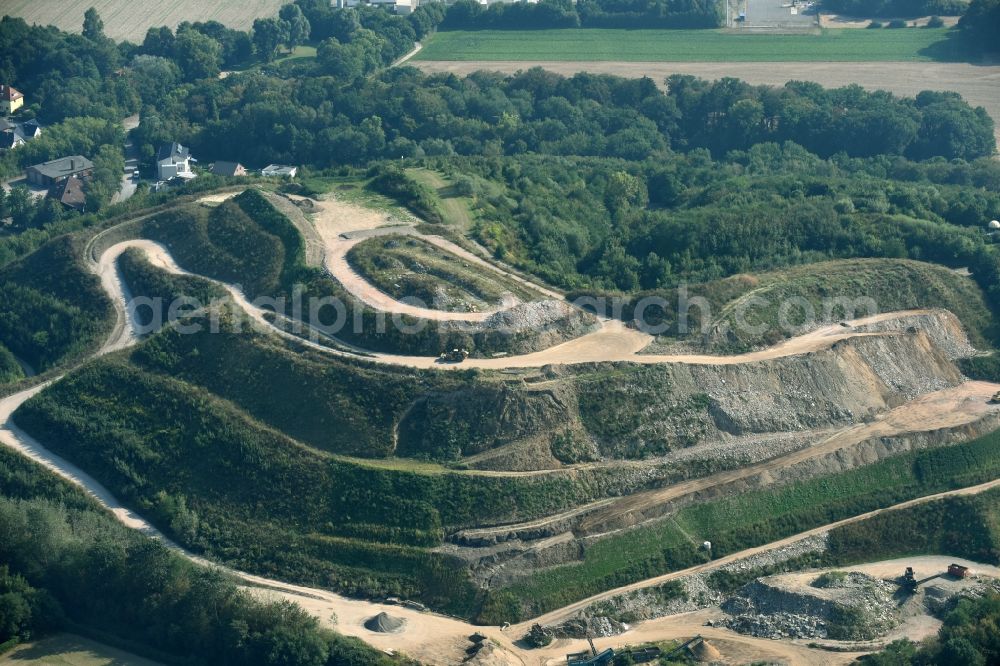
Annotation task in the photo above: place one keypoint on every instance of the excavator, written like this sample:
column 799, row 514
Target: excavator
column 453, row 356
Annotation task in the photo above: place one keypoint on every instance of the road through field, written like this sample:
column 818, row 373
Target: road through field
column 979, row 85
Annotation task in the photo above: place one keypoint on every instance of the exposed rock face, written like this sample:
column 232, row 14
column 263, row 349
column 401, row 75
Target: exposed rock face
column 854, row 607
column 624, row 411
column 755, row 412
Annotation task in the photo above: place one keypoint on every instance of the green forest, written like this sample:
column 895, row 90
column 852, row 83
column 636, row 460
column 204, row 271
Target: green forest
column 66, row 564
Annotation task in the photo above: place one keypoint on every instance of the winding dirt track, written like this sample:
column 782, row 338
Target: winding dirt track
column 427, row 636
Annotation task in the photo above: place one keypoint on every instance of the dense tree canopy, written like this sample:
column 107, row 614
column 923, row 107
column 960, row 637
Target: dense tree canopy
column 981, row 25
column 896, row 8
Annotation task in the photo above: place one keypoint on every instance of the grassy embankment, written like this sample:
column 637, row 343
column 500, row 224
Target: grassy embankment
column 454, row 208
column 10, row 369
column 362, row 527
column 68, row 565
column 221, row 483
column 891, row 284
column 751, row 519
column 52, row 308
column 915, row 45
column 246, row 241
column 404, row 266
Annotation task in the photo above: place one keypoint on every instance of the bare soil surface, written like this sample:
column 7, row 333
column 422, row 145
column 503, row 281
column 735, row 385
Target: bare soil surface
column 978, row 84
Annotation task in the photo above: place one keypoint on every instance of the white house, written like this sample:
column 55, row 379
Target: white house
column 173, row 161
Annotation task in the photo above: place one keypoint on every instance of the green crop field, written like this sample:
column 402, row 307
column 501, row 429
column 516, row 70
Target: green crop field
column 910, row 44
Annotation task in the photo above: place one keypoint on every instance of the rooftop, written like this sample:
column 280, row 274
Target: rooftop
column 278, row 170
column 172, row 150
column 225, row 168
column 9, row 94
column 70, row 193
column 64, row 166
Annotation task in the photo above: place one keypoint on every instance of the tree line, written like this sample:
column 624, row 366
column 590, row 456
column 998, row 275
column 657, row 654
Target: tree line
column 68, row 565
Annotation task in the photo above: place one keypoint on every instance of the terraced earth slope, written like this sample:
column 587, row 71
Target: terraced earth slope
column 496, row 489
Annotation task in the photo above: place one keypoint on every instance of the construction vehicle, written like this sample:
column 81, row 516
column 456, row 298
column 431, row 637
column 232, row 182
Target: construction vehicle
column 909, row 581
column 995, row 399
column 454, row 356
column 958, row 571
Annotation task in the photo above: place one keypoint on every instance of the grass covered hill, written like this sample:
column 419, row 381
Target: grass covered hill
column 52, row 307
column 757, row 299
column 405, row 266
column 66, row 564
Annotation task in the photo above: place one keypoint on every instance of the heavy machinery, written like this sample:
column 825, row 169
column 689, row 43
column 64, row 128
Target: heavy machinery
column 909, row 581
column 995, row 399
column 454, row 356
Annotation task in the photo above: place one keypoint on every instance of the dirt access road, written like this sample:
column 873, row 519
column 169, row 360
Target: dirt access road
column 978, row 84
column 429, row 637
column 948, row 408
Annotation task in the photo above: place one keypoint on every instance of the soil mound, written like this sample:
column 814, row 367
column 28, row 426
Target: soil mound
column 384, row 623
column 703, row 651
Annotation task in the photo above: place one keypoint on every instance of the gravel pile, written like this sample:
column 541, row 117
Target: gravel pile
column 383, row 623
column 536, row 315
column 649, row 603
column 857, row 607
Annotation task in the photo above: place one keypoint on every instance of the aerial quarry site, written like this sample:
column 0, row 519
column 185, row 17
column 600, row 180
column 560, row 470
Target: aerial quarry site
column 499, row 333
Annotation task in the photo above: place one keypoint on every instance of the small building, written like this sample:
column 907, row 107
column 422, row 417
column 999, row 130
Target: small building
column 70, row 193
column 49, row 173
column 279, row 170
column 11, row 99
column 228, row 169
column 958, row 571
column 173, row 161
column 10, row 139
column 14, row 134
column 30, row 129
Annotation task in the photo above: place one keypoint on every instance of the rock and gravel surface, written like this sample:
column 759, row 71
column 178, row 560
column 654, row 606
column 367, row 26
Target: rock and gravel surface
column 854, row 606
column 616, row 614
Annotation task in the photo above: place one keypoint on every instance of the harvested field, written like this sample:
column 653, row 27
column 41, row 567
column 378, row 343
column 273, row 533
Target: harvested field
column 979, row 85
column 125, row 19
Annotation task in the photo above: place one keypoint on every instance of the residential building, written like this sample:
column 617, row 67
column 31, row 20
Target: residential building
column 14, row 134
column 70, row 193
column 173, row 161
column 10, row 139
column 228, row 169
column 10, row 99
column 49, row 173
column 279, row 170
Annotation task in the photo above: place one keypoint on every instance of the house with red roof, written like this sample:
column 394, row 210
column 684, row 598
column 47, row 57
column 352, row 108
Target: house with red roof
column 10, row 99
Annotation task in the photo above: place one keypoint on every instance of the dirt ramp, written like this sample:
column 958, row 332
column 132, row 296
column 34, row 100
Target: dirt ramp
column 383, row 623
